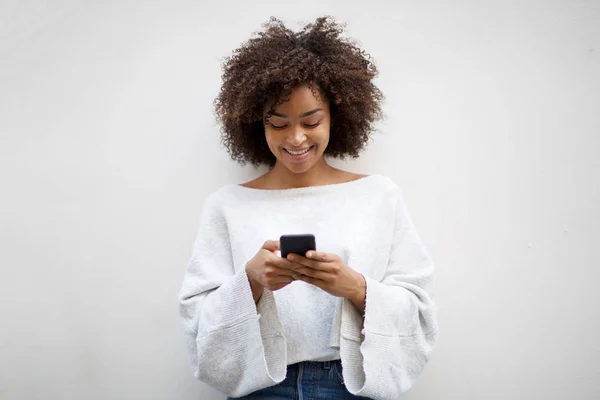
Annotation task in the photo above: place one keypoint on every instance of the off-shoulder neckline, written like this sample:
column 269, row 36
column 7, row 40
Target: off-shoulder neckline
column 306, row 189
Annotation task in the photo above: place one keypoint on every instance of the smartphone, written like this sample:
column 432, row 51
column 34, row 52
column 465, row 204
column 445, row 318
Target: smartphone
column 297, row 244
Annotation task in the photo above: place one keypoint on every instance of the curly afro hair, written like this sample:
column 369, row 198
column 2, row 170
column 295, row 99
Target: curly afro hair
column 271, row 63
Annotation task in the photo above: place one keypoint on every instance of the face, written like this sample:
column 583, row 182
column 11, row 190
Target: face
column 298, row 131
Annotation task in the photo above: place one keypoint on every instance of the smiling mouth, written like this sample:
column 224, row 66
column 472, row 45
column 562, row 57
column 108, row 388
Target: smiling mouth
column 299, row 152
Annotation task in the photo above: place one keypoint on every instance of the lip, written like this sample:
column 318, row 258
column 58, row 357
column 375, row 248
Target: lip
column 302, row 157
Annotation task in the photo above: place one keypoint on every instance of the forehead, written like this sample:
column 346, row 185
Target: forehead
column 302, row 98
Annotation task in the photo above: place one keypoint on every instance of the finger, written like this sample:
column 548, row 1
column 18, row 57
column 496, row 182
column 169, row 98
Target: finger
column 285, row 264
column 285, row 272
column 280, row 283
column 320, row 256
column 313, row 281
column 313, row 273
column 271, row 245
column 279, row 286
column 281, row 279
column 272, row 271
column 322, row 266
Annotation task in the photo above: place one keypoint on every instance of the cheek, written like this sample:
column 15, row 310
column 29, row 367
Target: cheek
column 322, row 136
column 270, row 137
column 273, row 141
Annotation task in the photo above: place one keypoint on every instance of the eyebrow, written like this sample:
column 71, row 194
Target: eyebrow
column 306, row 114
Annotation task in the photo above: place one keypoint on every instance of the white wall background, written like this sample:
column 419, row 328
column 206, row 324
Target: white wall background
column 108, row 148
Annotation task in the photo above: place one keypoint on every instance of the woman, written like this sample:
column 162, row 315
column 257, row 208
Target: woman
column 259, row 326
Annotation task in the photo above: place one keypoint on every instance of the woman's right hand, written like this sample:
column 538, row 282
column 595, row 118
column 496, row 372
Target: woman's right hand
column 268, row 270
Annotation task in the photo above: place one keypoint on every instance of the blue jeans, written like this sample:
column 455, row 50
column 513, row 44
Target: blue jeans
column 307, row 380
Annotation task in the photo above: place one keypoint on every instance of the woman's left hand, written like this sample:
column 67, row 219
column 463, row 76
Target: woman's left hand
column 330, row 273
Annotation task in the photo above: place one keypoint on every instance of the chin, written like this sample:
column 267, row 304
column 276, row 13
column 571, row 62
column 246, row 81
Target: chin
column 298, row 169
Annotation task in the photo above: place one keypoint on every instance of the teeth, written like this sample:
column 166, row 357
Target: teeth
column 297, row 153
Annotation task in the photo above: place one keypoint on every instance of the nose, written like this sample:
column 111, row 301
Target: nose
column 297, row 137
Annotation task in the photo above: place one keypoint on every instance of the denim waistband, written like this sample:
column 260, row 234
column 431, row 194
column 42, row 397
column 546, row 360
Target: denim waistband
column 316, row 364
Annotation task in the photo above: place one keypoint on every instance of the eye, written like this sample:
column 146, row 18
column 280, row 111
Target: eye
column 278, row 126
column 313, row 125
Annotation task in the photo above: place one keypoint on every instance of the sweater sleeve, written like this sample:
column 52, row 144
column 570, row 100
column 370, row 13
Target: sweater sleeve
column 385, row 353
column 234, row 345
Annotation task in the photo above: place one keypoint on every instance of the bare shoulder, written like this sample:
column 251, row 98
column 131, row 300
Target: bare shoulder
column 338, row 176
column 347, row 176
column 257, row 183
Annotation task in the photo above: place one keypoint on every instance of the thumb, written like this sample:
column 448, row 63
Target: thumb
column 271, row 245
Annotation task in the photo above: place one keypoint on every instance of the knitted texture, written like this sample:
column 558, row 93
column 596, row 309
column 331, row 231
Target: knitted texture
column 238, row 347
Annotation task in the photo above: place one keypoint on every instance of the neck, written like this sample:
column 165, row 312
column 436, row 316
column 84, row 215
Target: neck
column 281, row 177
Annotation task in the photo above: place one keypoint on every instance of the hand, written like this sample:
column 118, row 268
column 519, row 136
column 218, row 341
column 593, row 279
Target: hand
column 330, row 273
column 268, row 270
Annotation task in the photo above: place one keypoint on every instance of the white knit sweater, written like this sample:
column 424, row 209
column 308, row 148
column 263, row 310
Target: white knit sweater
column 239, row 347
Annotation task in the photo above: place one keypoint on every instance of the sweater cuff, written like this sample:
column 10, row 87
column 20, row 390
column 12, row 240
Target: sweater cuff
column 382, row 345
column 396, row 310
column 270, row 324
column 256, row 322
column 273, row 339
column 234, row 302
column 351, row 337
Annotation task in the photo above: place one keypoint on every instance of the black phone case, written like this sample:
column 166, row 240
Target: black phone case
column 297, row 244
